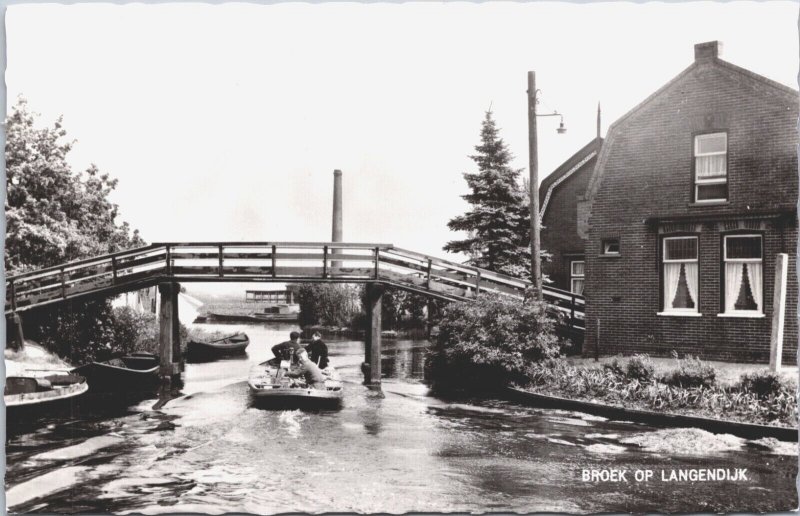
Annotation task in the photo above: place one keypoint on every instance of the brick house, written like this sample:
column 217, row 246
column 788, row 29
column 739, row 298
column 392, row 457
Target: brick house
column 558, row 199
column 693, row 195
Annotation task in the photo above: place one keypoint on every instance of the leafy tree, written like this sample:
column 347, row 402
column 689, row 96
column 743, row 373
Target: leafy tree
column 399, row 309
column 52, row 214
column 498, row 222
column 327, row 304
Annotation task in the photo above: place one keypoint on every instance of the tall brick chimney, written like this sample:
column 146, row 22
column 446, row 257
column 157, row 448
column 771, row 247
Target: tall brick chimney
column 708, row 50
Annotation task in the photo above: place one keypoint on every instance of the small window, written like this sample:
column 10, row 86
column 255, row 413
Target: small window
column 680, row 274
column 611, row 246
column 577, row 276
column 711, row 167
column 743, row 257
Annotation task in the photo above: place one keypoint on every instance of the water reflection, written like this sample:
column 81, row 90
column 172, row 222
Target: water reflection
column 404, row 359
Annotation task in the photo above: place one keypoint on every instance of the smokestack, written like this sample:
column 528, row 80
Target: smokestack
column 336, row 229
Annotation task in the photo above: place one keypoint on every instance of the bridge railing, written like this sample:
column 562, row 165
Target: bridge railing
column 271, row 261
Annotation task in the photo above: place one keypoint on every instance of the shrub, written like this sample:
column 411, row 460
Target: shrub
column 691, row 372
column 614, row 367
column 763, row 384
column 327, row 304
column 640, row 368
column 490, row 341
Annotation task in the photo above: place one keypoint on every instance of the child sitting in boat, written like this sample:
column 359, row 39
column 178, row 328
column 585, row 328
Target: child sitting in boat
column 308, row 369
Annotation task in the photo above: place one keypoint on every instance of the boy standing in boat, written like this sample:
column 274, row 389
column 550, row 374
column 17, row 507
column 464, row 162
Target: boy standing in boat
column 308, row 369
column 318, row 351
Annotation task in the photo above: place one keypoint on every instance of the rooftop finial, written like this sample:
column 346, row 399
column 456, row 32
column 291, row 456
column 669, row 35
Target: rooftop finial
column 598, row 119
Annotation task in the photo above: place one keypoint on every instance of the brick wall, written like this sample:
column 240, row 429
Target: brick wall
column 646, row 181
column 559, row 235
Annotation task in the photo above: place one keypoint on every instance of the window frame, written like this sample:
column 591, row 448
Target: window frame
column 724, row 259
column 696, row 182
column 669, row 310
column 573, row 276
column 606, row 241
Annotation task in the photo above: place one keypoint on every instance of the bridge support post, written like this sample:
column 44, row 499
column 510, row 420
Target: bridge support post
column 15, row 338
column 372, row 371
column 169, row 342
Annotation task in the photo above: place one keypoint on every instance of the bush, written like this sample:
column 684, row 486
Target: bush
column 614, row 367
column 763, row 384
column 609, row 385
column 327, row 304
column 490, row 341
column 691, row 372
column 640, row 368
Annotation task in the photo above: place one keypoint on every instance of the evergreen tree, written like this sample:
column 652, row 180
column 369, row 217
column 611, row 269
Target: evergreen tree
column 498, row 222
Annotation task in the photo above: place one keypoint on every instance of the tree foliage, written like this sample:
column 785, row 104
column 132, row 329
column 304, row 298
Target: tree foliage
column 52, row 214
column 491, row 341
column 327, row 304
column 400, row 309
column 498, row 221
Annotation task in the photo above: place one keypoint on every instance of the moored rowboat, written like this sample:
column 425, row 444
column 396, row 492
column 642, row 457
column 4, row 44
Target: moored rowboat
column 231, row 345
column 27, row 391
column 134, row 372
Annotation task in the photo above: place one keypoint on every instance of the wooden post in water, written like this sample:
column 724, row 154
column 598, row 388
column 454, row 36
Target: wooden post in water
column 169, row 328
column 778, row 311
column 15, row 338
column 373, row 347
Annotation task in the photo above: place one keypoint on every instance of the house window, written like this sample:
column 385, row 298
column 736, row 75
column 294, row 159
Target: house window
column 577, row 276
column 680, row 274
column 743, row 259
column 611, row 246
column 711, row 167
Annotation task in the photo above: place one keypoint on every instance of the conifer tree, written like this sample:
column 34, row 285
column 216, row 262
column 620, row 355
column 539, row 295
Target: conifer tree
column 498, row 221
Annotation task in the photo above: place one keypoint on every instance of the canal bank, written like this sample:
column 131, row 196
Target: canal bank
column 396, row 450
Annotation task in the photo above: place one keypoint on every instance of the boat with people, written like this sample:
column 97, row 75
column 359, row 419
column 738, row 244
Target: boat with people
column 135, row 372
column 41, row 388
column 231, row 345
column 270, row 385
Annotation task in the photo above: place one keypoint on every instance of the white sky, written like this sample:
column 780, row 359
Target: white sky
column 225, row 122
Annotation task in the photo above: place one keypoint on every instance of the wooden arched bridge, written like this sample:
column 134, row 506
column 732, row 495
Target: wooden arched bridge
column 168, row 264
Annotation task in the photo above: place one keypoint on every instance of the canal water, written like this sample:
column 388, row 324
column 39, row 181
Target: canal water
column 396, row 450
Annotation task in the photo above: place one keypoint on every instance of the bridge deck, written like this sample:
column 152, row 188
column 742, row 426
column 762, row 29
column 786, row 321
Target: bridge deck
column 286, row 262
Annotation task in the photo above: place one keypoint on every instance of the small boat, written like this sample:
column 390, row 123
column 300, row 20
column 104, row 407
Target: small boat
column 134, row 372
column 267, row 390
column 226, row 346
column 273, row 317
column 46, row 389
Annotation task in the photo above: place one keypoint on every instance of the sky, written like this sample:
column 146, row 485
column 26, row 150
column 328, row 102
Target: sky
column 225, row 122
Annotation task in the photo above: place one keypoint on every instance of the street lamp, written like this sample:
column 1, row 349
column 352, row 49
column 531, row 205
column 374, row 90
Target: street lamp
column 536, row 262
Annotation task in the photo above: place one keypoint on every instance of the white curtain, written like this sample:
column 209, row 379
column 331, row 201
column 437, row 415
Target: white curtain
column 672, row 273
column 754, row 275
column 690, row 269
column 710, row 166
column 733, row 283
column 577, row 286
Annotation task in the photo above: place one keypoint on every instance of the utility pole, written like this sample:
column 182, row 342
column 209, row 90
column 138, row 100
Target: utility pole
column 536, row 262
column 533, row 150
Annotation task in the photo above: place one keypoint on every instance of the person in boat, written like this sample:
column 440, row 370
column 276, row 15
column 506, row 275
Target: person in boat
column 318, row 351
column 288, row 350
column 309, row 370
